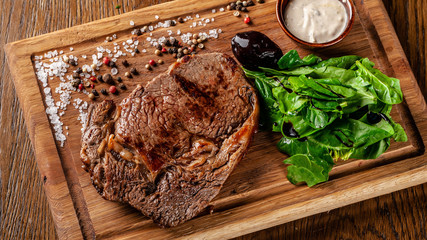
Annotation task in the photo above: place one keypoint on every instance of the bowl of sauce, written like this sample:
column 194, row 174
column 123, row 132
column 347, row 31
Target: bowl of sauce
column 318, row 23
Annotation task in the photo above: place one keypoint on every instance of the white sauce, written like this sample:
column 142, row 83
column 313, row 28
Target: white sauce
column 316, row 21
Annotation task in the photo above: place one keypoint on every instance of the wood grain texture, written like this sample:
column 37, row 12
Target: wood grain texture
column 398, row 210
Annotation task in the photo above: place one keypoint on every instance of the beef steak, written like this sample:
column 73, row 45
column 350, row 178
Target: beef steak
column 168, row 148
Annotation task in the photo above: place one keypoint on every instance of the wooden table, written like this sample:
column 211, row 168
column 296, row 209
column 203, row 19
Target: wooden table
column 25, row 212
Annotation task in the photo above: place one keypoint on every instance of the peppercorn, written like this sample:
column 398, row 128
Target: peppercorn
column 168, row 43
column 199, row 40
column 260, row 1
column 147, row 66
column 109, row 39
column 108, row 78
column 236, row 13
column 159, row 46
column 79, row 70
column 160, row 61
column 80, row 87
column 244, row 9
column 195, row 36
column 122, row 86
column 86, row 84
column 247, row 20
column 138, row 32
column 127, row 74
column 164, row 50
column 144, row 29
column 173, row 23
column 134, row 71
column 84, row 70
column 152, row 62
column 93, row 66
column 76, row 75
column 158, row 52
column 228, row 7
column 113, row 89
column 239, row 3
column 179, row 50
column 136, row 50
column 100, row 78
column 75, row 82
column 95, row 92
column 119, row 79
column 125, row 63
column 201, row 45
column 238, row 8
column 185, row 51
column 112, row 64
column 170, row 50
column 203, row 38
column 106, row 60
column 251, row 3
column 194, row 41
column 91, row 96
column 179, row 55
column 173, row 41
column 92, row 86
column 104, row 91
column 180, row 20
column 232, row 6
column 92, row 78
column 72, row 62
column 244, row 4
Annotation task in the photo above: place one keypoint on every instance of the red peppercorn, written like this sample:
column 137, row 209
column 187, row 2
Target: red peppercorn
column 92, row 78
column 164, row 50
column 152, row 62
column 92, row 85
column 113, row 89
column 106, row 60
column 247, row 20
column 80, row 86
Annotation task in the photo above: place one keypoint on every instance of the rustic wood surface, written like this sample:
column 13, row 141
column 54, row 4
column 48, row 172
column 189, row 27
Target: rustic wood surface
column 24, row 209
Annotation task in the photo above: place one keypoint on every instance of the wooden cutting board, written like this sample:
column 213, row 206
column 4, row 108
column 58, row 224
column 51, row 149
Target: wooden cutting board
column 256, row 195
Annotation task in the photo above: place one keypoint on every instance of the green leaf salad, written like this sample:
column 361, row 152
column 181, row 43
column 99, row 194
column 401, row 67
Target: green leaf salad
column 327, row 110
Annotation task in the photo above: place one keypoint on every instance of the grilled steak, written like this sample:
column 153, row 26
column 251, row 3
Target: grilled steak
column 168, row 148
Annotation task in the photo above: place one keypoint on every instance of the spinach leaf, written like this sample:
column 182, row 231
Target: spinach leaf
column 292, row 60
column 341, row 62
column 387, row 89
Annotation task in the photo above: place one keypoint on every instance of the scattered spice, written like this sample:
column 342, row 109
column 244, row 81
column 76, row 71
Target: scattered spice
column 122, row 86
column 80, row 87
column 92, row 86
column 160, row 61
column 91, row 96
column 84, row 70
column 75, row 82
column 108, row 78
column 179, row 55
column 243, row 9
column 180, row 20
column 86, row 84
column 119, row 79
column 185, row 51
column 112, row 64
column 134, row 71
column 244, row 4
column 79, row 70
column 93, row 66
column 100, row 78
column 164, row 50
column 201, row 45
column 104, row 91
column 147, row 66
column 247, row 19
column 92, row 78
column 158, row 52
column 95, row 92
column 106, row 60
column 152, row 62
column 113, row 89
column 260, row 1
column 127, row 74
column 125, row 63
column 72, row 62
column 136, row 50
column 76, row 75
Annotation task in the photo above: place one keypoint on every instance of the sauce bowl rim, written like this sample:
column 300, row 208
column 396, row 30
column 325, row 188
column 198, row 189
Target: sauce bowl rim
column 280, row 8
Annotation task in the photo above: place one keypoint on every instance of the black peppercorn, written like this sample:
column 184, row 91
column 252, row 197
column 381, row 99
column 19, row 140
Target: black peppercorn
column 72, row 62
column 125, row 63
column 75, row 82
column 168, row 43
column 108, row 78
column 104, row 91
column 119, row 79
column 136, row 50
column 232, row 6
column 179, row 55
column 180, row 20
column 76, row 75
column 138, row 32
column 79, row 70
column 122, row 86
column 134, row 71
column 112, row 64
column 95, row 92
column 159, row 46
column 238, row 8
column 173, row 23
column 243, row 9
column 250, row 3
column 100, row 78
column 170, row 50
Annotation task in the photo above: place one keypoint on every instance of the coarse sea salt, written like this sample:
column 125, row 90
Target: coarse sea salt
column 132, row 23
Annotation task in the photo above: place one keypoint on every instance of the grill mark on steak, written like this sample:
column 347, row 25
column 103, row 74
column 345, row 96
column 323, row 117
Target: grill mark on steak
column 181, row 135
